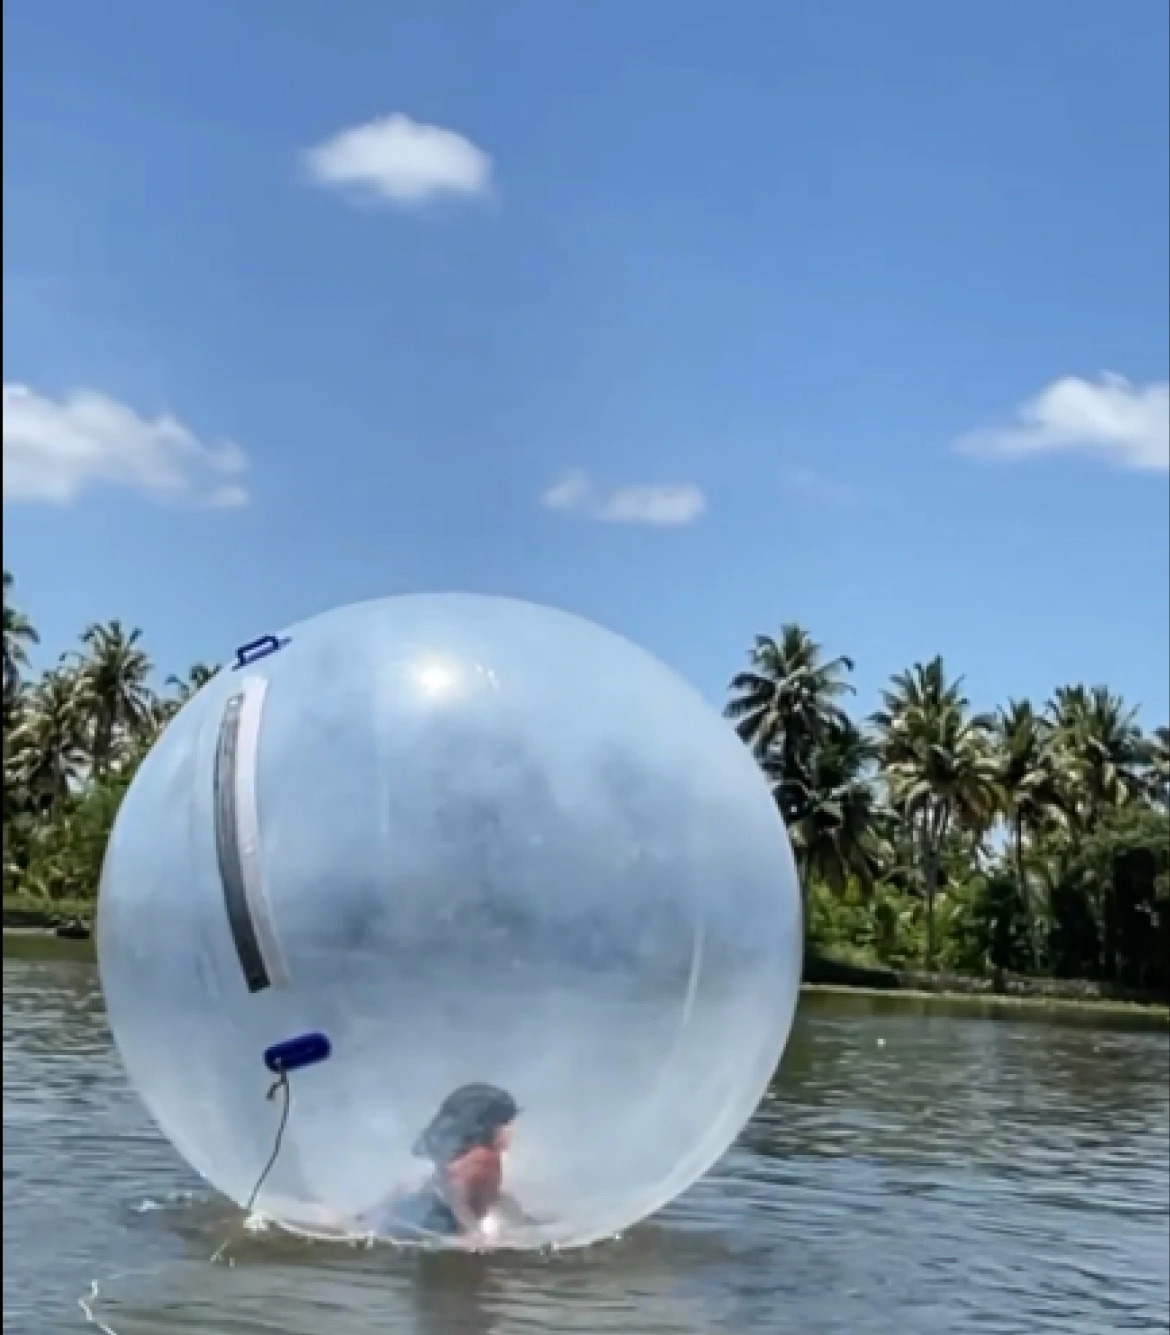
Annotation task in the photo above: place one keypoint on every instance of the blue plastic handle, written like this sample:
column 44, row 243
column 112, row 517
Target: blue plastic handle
column 255, row 650
column 294, row 1054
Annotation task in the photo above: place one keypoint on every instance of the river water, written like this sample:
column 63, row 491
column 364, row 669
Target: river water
column 918, row 1167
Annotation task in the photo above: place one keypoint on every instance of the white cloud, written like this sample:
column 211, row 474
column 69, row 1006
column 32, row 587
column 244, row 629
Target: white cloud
column 570, row 493
column 400, row 161
column 663, row 504
column 55, row 449
column 817, row 486
column 1125, row 424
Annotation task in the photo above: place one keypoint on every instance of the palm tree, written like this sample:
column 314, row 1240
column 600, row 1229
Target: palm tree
column 19, row 633
column 15, row 798
column 113, row 680
column 1159, row 765
column 198, row 675
column 1101, row 750
column 785, row 702
column 938, row 766
column 836, row 818
column 46, row 754
column 1030, row 790
column 184, row 688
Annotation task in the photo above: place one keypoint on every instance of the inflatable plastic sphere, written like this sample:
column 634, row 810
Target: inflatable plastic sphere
column 468, row 841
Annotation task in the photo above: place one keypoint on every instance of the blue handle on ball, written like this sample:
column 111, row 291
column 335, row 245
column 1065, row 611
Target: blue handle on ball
column 255, row 650
column 294, row 1054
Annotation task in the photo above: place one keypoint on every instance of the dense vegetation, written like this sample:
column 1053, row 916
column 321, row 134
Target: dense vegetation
column 1035, row 840
column 1031, row 840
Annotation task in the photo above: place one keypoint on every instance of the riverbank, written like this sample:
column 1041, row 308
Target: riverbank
column 1090, row 1010
column 823, row 972
column 34, row 916
column 827, row 971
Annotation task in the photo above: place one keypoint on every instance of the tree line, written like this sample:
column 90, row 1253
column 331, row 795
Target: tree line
column 1035, row 839
column 73, row 737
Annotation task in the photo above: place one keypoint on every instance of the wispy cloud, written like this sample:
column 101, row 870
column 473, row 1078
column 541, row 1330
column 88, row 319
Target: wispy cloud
column 398, row 161
column 56, row 449
column 818, row 486
column 659, row 504
column 1122, row 423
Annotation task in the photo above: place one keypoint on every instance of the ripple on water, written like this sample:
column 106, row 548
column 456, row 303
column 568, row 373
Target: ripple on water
column 913, row 1170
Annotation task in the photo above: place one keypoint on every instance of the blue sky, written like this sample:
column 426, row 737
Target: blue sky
column 690, row 318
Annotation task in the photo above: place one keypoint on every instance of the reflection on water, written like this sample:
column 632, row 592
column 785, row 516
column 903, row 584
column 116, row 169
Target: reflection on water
column 918, row 1167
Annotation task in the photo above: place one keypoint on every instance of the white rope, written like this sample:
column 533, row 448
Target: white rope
column 86, row 1303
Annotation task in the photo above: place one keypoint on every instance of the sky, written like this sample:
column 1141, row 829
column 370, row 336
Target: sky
column 690, row 318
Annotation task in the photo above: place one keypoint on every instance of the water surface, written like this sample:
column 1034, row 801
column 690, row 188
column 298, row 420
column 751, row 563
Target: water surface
column 919, row 1167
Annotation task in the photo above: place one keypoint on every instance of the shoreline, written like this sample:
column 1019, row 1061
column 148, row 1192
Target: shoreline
column 1006, row 1001
column 70, row 925
column 824, row 971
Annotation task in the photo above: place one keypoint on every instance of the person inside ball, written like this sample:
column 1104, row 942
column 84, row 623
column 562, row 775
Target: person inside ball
column 464, row 1197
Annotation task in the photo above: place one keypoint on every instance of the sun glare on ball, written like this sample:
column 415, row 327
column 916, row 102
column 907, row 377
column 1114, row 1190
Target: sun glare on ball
column 436, row 679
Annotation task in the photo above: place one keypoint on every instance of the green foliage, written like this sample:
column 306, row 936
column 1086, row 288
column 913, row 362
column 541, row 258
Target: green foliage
column 73, row 738
column 1110, row 916
column 1030, row 841
column 998, row 929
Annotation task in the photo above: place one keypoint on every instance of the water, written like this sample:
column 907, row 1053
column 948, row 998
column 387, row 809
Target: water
column 919, row 1167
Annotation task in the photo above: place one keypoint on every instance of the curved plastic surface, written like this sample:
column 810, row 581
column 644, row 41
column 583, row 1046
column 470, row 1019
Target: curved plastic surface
column 481, row 841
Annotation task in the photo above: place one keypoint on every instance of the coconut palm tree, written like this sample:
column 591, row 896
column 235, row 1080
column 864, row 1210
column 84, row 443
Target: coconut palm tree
column 15, row 798
column 938, row 766
column 1030, row 790
column 46, row 755
column 1100, row 748
column 167, row 706
column 785, row 702
column 19, row 633
column 113, row 682
column 1158, row 761
column 198, row 675
column 836, row 822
